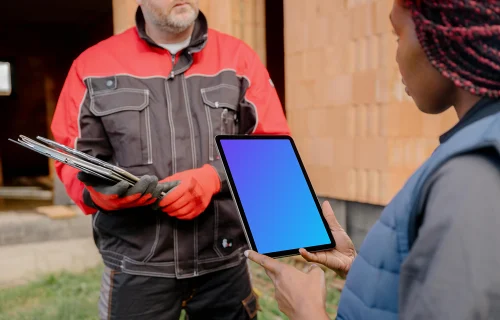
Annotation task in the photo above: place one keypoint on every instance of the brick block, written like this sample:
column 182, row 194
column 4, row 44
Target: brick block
column 298, row 125
column 342, row 153
column 358, row 22
column 321, row 179
column 361, row 54
column 364, row 87
column 361, row 120
column 351, row 58
column 373, row 195
column 387, row 50
column 380, row 15
column 370, row 153
column 431, row 125
column 351, row 185
column 373, row 52
column 341, row 90
column 313, row 63
column 340, row 121
column 362, row 185
column 373, row 120
column 304, row 94
column 318, row 122
column 410, row 120
column 339, row 185
column 320, row 151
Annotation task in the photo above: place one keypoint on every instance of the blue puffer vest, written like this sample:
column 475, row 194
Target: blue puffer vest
column 371, row 288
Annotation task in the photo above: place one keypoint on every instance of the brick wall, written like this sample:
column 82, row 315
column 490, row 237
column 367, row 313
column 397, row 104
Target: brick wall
column 358, row 132
column 244, row 19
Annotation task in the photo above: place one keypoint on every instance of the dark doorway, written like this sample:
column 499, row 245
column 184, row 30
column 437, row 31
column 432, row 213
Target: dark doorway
column 275, row 46
column 40, row 40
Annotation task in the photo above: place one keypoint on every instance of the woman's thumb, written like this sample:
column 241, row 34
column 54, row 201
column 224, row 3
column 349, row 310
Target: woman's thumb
column 330, row 216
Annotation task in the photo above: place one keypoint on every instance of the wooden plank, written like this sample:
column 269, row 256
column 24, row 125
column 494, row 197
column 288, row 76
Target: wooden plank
column 57, row 212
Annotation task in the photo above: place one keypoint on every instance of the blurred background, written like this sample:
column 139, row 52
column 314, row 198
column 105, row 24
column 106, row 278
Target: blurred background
column 333, row 65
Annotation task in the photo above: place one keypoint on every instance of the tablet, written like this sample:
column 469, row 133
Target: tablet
column 278, row 207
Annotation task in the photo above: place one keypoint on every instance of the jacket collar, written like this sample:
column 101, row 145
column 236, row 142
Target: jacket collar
column 198, row 38
column 483, row 108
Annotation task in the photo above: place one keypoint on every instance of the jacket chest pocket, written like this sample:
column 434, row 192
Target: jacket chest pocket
column 125, row 116
column 222, row 108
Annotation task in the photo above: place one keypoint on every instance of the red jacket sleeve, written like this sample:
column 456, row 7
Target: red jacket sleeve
column 65, row 128
column 262, row 97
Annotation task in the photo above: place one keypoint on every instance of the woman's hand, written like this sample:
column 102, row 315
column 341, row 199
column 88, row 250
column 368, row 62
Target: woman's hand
column 341, row 257
column 301, row 295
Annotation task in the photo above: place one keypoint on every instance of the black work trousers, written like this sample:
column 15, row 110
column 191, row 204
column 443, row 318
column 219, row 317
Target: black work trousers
column 222, row 295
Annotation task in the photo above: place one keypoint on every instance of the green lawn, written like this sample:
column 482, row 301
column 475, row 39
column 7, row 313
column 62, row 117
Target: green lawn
column 74, row 297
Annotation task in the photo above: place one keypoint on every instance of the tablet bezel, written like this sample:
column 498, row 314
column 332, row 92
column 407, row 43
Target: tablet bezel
column 236, row 197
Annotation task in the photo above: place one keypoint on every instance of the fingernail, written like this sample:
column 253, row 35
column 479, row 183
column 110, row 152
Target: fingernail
column 246, row 253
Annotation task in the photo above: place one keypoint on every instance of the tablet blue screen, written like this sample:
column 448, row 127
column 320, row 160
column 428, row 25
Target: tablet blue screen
column 274, row 194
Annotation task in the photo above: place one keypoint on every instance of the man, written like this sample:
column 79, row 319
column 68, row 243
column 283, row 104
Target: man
column 151, row 101
column 433, row 254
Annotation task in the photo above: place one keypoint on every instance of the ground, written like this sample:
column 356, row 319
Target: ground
column 74, row 297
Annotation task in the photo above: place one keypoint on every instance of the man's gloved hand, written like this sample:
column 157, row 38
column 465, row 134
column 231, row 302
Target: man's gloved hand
column 192, row 196
column 111, row 197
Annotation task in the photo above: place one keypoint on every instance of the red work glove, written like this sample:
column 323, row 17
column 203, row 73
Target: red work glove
column 192, row 196
column 101, row 194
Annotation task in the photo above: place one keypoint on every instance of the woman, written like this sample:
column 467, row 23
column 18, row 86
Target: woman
column 434, row 253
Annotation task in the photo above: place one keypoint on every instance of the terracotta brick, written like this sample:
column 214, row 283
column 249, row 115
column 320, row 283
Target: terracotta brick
column 343, row 153
column 431, row 125
column 351, row 60
column 304, row 94
column 410, row 124
column 341, row 90
column 364, row 87
column 373, row 52
column 318, row 122
column 339, row 183
column 373, row 187
column 319, row 151
column 351, row 122
column 380, row 15
column 370, row 153
column 373, row 120
column 340, row 21
column 362, row 185
column 387, row 50
column 319, row 34
column 297, row 124
column 361, row 54
column 358, row 22
column 313, row 63
column 396, row 153
column 340, row 121
column 361, row 120
column 352, row 185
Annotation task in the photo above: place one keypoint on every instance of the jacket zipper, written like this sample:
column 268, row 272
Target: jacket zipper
column 149, row 143
column 210, row 134
column 170, row 119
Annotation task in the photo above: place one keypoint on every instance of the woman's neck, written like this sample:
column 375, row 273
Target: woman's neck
column 464, row 102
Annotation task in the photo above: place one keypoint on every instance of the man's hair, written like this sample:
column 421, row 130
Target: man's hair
column 462, row 40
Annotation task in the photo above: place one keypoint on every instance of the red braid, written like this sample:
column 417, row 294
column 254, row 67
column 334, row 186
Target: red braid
column 462, row 40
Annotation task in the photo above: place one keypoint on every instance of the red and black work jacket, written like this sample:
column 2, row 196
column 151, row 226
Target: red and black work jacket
column 130, row 102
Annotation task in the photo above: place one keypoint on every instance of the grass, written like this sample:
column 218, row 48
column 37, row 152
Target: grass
column 74, row 297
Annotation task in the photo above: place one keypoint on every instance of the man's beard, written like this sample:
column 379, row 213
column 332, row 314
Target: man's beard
column 171, row 23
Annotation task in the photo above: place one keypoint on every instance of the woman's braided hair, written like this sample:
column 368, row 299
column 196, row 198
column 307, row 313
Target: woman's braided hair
column 462, row 40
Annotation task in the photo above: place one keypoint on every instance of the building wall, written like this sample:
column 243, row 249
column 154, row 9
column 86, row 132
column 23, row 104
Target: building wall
column 359, row 133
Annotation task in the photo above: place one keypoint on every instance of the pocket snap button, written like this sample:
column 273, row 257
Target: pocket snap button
column 216, row 104
column 109, row 83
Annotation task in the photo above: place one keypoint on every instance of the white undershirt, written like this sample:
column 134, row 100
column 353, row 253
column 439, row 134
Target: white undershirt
column 176, row 47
